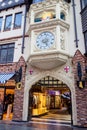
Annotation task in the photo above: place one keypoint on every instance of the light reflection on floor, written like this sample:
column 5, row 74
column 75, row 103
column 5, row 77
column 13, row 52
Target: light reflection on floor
column 7, row 118
column 55, row 115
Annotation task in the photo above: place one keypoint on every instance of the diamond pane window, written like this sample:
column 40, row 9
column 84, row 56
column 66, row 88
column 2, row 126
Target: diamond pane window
column 83, row 3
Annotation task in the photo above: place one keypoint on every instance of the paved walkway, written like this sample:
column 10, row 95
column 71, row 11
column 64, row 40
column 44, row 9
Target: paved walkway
column 36, row 125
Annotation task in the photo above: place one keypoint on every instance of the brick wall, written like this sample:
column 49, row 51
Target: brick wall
column 81, row 94
column 18, row 96
column 7, row 68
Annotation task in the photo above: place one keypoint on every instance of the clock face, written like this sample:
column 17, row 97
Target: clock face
column 45, row 40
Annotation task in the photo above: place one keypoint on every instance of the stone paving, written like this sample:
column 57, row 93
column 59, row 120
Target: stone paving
column 36, row 126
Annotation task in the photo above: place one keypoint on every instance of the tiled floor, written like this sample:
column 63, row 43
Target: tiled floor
column 55, row 115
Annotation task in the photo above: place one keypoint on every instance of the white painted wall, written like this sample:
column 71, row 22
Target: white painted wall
column 12, row 32
column 15, row 33
column 18, row 32
column 72, row 46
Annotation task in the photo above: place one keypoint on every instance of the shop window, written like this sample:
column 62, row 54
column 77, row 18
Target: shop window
column 1, row 18
column 85, row 37
column 8, row 22
column 18, row 20
column 62, row 16
column 6, row 53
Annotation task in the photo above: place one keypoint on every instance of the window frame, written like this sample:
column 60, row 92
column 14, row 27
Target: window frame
column 83, row 4
column 1, row 23
column 7, row 48
column 15, row 27
column 62, row 14
column 7, row 28
column 85, row 39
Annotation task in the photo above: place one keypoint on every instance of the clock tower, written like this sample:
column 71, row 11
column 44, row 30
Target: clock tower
column 48, row 32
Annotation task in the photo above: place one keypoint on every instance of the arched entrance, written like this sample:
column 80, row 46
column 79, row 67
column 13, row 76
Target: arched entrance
column 50, row 98
column 68, row 79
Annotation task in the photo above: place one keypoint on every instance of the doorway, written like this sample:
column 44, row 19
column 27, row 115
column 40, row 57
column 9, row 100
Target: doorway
column 50, row 99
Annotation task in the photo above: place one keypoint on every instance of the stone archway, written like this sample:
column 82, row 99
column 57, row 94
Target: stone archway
column 68, row 80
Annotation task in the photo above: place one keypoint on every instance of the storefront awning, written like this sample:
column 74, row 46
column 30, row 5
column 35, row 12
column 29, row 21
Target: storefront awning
column 5, row 77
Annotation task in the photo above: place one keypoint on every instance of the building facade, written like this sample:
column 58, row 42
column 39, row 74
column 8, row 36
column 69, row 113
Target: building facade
column 43, row 39
column 12, row 38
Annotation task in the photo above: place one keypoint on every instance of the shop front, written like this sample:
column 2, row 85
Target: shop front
column 12, row 78
column 1, row 102
column 7, row 99
column 49, row 97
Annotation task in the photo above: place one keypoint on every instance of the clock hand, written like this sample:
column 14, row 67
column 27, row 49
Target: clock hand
column 45, row 41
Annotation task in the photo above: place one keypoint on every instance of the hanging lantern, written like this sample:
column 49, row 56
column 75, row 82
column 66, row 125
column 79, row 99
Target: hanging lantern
column 79, row 71
column 18, row 86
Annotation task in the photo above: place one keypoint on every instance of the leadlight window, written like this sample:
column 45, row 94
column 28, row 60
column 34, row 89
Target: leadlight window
column 83, row 3
column 1, row 18
column 6, row 53
column 50, row 82
column 8, row 22
column 18, row 20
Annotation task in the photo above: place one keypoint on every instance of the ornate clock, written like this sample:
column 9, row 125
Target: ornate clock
column 45, row 40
